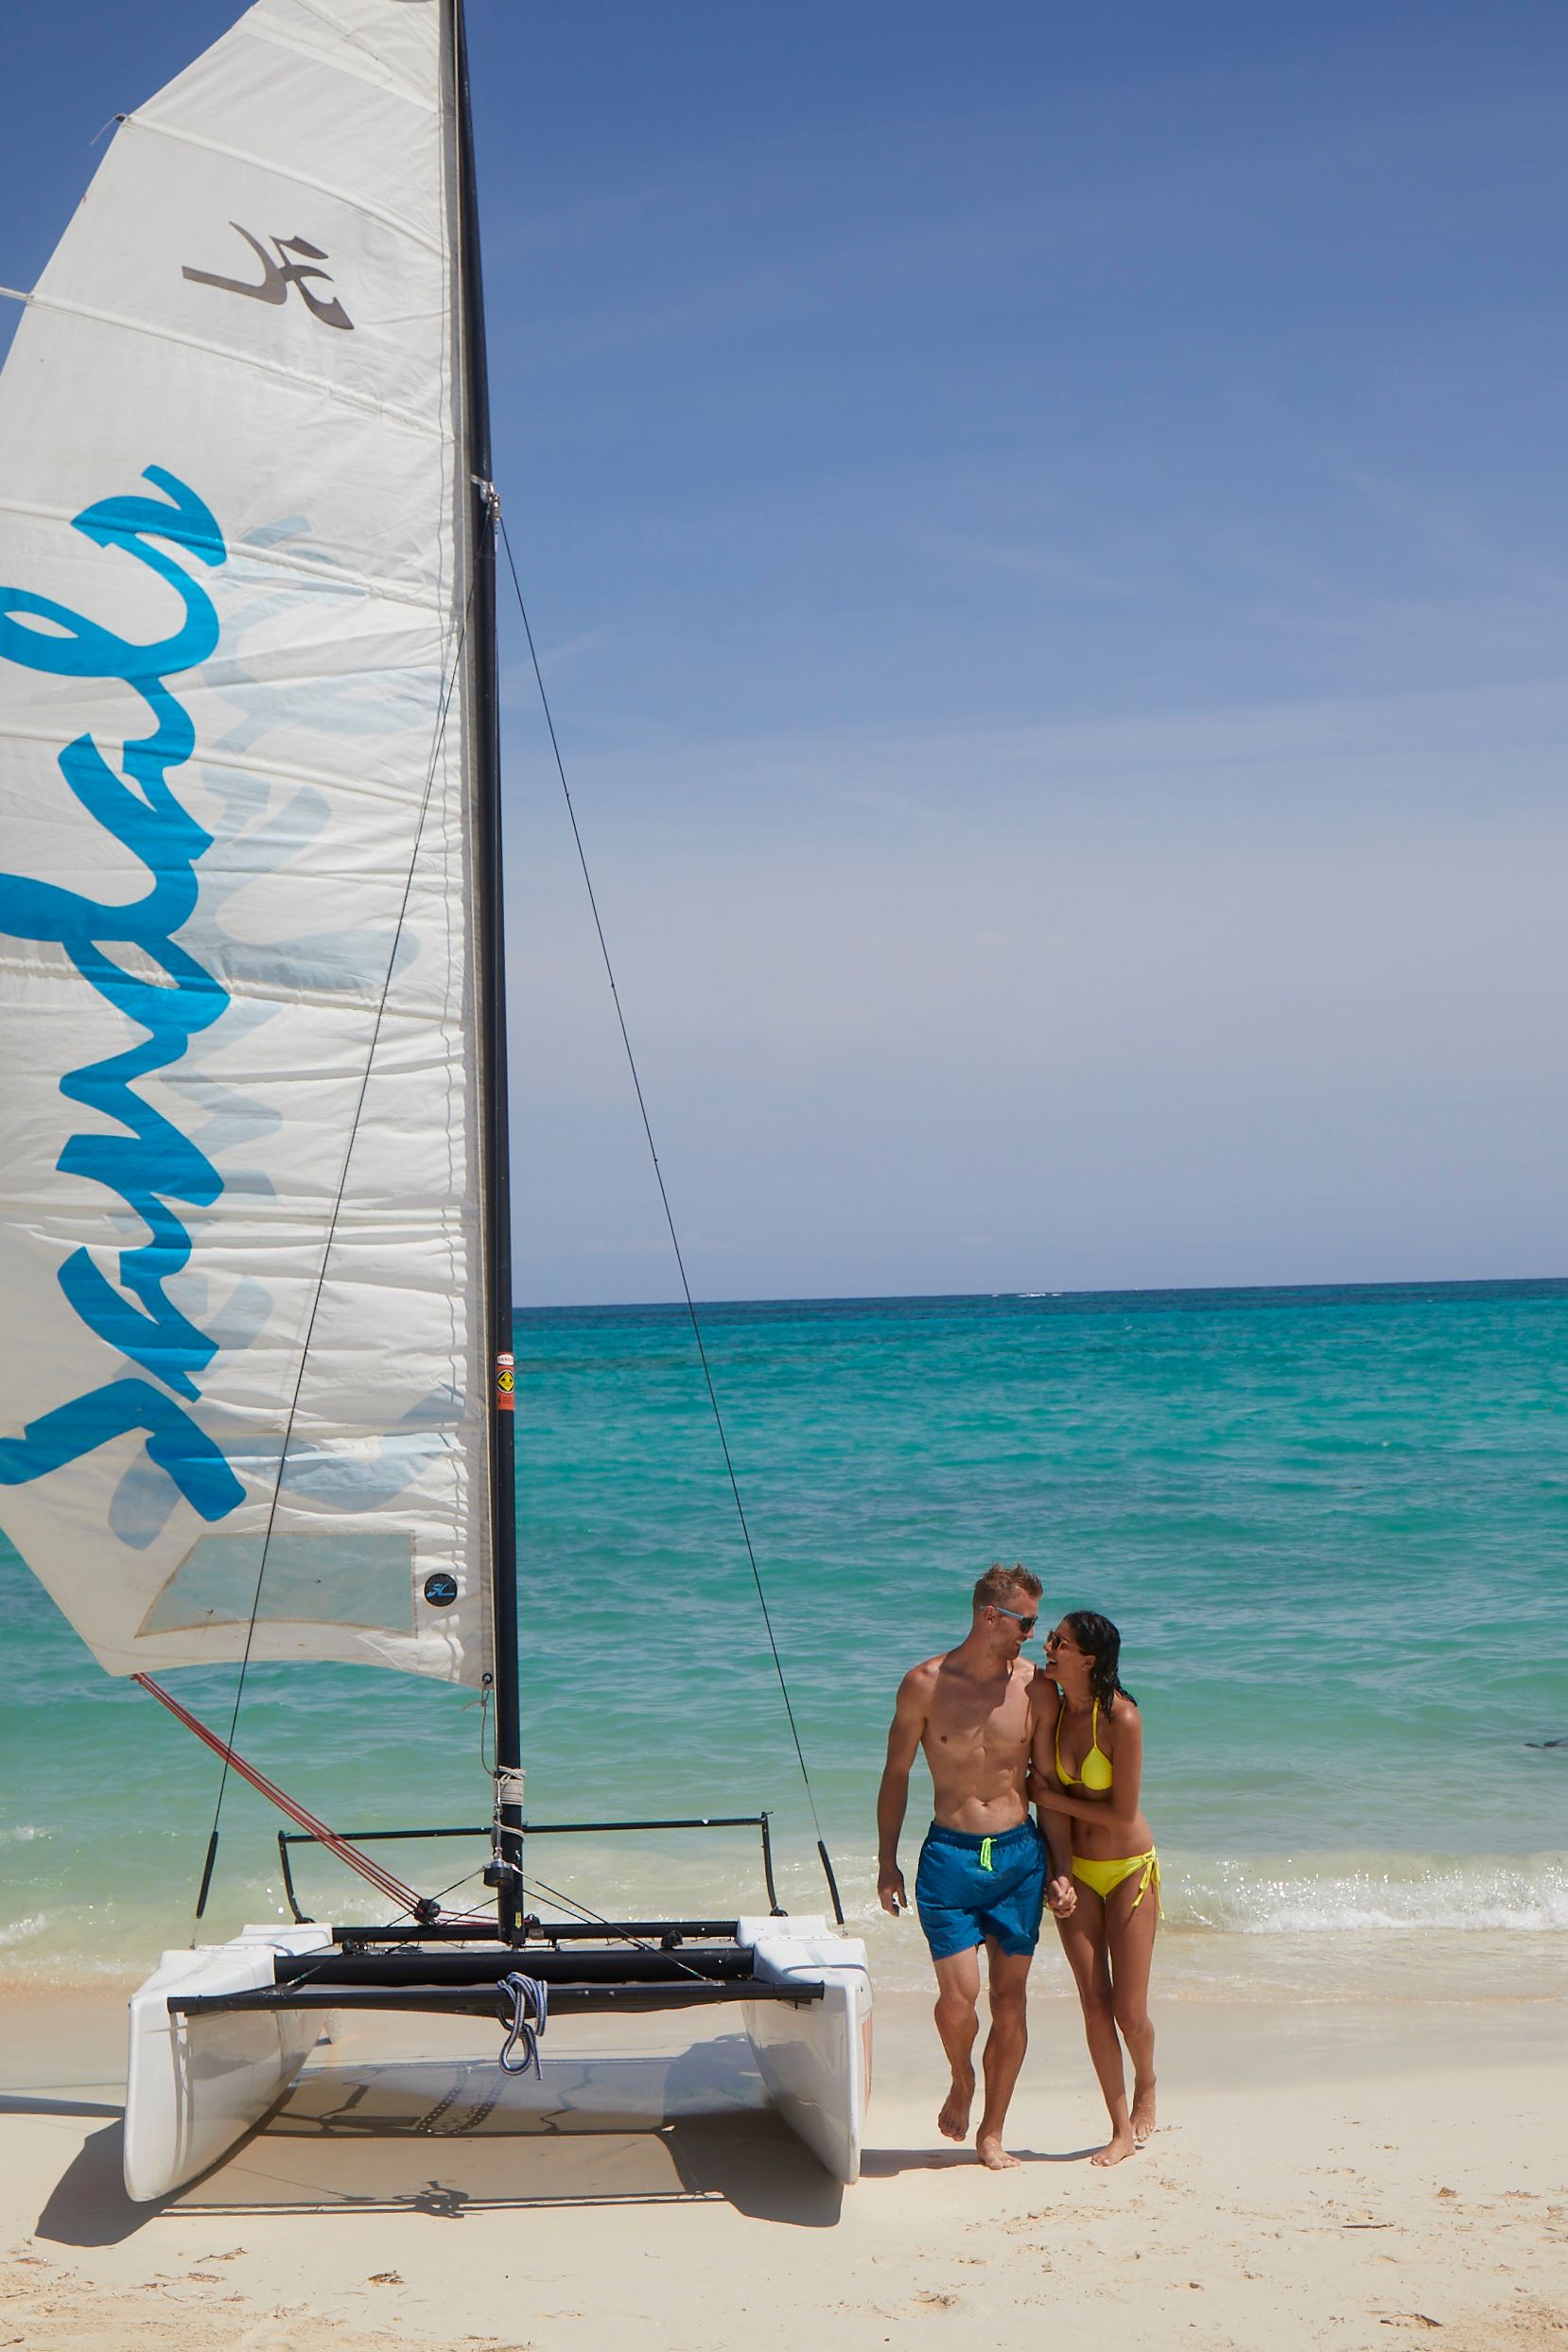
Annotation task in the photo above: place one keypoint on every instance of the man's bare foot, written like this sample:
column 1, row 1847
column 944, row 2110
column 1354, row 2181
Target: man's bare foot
column 992, row 2155
column 1120, row 2145
column 1143, row 2119
column 953, row 2121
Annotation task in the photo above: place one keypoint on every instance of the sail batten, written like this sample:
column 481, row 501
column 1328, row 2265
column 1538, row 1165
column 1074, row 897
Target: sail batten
column 314, row 186
column 242, row 1108
column 319, row 386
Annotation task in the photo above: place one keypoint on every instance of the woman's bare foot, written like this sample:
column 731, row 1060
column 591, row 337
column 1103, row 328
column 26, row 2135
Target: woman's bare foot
column 1120, row 2144
column 992, row 2155
column 1144, row 2120
column 953, row 2121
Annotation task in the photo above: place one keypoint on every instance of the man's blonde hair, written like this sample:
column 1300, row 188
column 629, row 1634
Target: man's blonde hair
column 1001, row 1584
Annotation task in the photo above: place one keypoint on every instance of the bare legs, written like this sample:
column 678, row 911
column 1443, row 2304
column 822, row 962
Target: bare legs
column 958, row 2022
column 1131, row 1935
column 1004, row 2047
column 1084, row 1942
column 1109, row 1946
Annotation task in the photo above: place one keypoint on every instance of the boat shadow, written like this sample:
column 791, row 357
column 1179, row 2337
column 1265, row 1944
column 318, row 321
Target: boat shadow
column 24, row 2104
column 450, row 2138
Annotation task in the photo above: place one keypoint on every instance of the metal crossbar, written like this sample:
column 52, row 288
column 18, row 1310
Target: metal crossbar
column 488, row 2000
column 536, row 1829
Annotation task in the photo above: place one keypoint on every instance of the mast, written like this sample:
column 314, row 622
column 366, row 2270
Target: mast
column 491, row 975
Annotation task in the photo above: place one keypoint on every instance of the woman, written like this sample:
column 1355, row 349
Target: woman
column 1088, row 1766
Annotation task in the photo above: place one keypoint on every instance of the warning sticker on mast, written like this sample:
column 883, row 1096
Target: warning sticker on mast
column 506, row 1382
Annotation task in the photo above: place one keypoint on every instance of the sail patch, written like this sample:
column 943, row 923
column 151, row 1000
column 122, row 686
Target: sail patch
column 352, row 1579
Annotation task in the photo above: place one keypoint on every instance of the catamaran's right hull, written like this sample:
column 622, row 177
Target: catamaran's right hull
column 814, row 2058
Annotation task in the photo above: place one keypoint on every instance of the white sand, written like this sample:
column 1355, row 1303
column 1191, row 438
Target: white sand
column 1335, row 2176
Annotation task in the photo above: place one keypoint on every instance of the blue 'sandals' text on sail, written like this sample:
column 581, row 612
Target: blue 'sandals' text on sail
column 149, row 1164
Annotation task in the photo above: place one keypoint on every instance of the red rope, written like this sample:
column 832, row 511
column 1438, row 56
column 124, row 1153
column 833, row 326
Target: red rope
column 382, row 1880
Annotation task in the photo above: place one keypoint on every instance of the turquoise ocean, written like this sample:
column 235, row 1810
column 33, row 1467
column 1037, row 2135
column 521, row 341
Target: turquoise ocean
column 1332, row 1524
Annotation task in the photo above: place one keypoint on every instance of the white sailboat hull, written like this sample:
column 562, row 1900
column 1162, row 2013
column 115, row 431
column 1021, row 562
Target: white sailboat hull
column 814, row 2058
column 197, row 2084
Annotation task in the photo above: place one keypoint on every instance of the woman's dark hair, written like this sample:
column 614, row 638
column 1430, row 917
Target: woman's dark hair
column 1098, row 1637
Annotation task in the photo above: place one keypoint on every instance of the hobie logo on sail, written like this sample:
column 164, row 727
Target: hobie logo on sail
column 278, row 275
column 129, row 1148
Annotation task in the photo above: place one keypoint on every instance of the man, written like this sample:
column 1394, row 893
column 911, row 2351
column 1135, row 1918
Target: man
column 985, row 1870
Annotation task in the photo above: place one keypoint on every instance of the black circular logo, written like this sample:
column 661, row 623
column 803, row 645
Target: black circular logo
column 441, row 1590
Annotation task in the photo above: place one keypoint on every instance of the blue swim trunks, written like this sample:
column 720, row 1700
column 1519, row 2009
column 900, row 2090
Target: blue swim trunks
column 967, row 1888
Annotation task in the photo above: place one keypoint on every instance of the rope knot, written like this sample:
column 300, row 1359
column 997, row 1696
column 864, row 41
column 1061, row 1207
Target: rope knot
column 524, row 1993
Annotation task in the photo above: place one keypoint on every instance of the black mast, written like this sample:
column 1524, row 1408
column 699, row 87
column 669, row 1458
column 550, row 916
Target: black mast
column 484, row 719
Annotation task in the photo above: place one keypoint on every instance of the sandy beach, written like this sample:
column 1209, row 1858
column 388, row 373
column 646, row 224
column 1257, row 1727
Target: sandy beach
column 1326, row 2176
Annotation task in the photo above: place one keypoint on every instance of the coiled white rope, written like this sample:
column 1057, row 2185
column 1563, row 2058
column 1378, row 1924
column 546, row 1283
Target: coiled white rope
column 525, row 1992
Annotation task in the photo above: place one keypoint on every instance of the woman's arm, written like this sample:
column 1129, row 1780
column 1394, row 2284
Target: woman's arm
column 1060, row 1894
column 1046, row 1702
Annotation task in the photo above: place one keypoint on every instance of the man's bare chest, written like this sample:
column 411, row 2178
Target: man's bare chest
column 967, row 1719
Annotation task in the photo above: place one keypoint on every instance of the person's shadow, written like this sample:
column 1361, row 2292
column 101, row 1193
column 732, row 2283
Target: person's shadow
column 885, row 2164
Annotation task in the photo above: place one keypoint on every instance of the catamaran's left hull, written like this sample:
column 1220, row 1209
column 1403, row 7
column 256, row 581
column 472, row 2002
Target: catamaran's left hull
column 196, row 2086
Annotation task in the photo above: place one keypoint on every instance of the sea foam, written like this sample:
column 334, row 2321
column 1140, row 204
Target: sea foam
column 1321, row 1895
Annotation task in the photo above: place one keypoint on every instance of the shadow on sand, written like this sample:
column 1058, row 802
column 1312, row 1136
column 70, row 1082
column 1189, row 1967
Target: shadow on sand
column 448, row 2137
column 885, row 2164
column 15, row 2104
column 87, row 2205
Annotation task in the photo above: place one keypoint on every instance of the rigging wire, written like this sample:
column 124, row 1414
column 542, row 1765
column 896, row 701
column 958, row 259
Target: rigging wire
column 591, row 1918
column 668, row 1218
column 445, row 705
column 343, row 1849
column 569, row 1904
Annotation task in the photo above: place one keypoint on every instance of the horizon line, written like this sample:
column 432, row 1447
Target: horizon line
column 959, row 1297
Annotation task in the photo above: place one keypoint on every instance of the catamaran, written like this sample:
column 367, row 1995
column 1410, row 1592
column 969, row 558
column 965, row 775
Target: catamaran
column 254, row 1235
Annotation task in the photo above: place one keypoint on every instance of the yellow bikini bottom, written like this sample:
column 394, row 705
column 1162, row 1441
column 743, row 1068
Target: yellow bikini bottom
column 1105, row 1877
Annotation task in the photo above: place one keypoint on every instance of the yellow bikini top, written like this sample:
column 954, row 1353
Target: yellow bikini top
column 1096, row 1773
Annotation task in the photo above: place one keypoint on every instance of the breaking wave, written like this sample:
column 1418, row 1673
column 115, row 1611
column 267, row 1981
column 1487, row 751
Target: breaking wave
column 1526, row 1894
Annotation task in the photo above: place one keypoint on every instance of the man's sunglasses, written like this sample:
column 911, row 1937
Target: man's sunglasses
column 1027, row 1624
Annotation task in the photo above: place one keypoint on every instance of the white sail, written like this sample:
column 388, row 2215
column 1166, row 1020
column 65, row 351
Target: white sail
column 239, row 1187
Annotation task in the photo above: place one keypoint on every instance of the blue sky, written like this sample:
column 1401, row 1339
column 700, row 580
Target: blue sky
column 1046, row 535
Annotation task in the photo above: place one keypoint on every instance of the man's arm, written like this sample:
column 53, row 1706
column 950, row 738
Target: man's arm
column 1060, row 1891
column 903, row 1745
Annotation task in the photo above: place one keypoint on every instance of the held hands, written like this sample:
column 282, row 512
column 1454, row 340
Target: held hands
column 1061, row 1898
